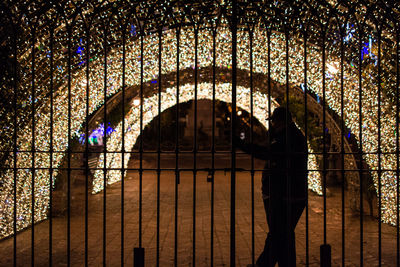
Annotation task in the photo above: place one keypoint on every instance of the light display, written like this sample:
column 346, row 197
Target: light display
column 168, row 54
column 168, row 99
column 96, row 137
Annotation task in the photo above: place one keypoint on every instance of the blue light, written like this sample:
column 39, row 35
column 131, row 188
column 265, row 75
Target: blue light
column 82, row 139
column 133, row 30
column 80, row 50
column 109, row 130
column 100, row 130
column 97, row 135
column 364, row 50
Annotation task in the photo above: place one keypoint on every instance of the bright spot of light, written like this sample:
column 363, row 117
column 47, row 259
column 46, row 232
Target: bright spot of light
column 332, row 67
column 136, row 102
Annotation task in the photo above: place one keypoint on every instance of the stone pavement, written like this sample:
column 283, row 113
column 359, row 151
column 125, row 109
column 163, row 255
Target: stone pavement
column 185, row 224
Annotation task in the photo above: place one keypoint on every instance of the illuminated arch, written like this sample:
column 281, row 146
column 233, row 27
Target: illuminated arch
column 168, row 99
column 223, row 42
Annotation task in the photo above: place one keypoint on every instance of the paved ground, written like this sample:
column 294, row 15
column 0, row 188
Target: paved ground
column 185, row 225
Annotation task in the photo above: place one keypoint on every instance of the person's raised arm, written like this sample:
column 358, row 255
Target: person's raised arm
column 258, row 151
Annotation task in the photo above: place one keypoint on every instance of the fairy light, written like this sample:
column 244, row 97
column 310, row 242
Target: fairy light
column 150, row 60
column 332, row 67
column 168, row 99
column 136, row 102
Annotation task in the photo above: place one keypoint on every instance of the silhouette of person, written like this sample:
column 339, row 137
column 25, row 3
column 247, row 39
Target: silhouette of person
column 284, row 186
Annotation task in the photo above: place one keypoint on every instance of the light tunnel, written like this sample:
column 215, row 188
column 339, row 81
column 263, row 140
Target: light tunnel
column 95, row 86
column 169, row 99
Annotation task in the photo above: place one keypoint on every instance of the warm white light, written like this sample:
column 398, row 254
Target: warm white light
column 136, row 102
column 223, row 60
column 332, row 67
column 223, row 92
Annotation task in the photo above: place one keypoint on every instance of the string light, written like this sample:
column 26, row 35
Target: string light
column 150, row 72
column 223, row 92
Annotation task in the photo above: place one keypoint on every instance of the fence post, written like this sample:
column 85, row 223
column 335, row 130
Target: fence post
column 325, row 255
column 138, row 257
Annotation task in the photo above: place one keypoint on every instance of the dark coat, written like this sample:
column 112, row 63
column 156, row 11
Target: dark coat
column 285, row 171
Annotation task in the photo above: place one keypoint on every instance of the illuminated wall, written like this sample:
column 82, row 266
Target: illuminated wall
column 168, row 99
column 169, row 65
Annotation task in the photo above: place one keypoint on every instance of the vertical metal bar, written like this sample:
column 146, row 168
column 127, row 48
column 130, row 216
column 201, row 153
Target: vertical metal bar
column 196, row 43
column 325, row 249
column 251, row 142
column 288, row 208
column 306, row 136
column 214, row 33
column 379, row 154
column 342, row 151
column 141, row 138
column 360, row 152
column 159, row 146
column 51, row 150
column 397, row 151
column 138, row 257
column 233, row 128
column 33, row 151
column 69, row 153
column 324, row 131
column 105, row 150
column 177, row 149
column 87, row 147
column 123, row 146
column 269, row 107
column 15, row 135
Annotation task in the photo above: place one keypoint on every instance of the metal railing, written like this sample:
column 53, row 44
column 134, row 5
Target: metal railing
column 66, row 62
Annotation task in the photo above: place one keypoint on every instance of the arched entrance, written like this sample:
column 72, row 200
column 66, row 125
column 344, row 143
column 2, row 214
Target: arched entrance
column 169, row 99
column 65, row 60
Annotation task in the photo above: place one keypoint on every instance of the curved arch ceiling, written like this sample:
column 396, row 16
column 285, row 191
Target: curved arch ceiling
column 168, row 99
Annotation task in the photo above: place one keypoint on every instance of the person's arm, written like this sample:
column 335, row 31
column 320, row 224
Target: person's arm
column 258, row 151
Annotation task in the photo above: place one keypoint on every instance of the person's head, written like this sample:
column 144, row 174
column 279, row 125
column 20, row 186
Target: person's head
column 279, row 117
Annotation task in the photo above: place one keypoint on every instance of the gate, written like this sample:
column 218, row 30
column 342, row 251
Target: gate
column 115, row 115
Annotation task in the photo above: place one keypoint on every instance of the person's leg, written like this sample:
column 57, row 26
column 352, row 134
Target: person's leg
column 287, row 253
column 268, row 257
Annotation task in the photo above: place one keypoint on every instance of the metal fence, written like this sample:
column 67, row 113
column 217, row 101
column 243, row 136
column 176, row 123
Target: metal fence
column 81, row 80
